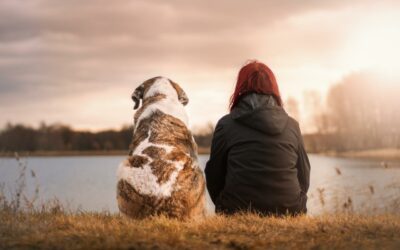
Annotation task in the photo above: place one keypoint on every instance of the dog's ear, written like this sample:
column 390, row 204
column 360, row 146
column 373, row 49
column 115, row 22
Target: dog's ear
column 181, row 94
column 137, row 95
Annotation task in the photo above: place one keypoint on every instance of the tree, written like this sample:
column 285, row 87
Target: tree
column 292, row 107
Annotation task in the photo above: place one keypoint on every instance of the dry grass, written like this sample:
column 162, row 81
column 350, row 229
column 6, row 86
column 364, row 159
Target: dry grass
column 58, row 230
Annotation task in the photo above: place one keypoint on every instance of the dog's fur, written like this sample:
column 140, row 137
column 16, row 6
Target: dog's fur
column 161, row 174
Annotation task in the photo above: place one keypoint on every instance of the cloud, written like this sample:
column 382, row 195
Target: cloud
column 62, row 51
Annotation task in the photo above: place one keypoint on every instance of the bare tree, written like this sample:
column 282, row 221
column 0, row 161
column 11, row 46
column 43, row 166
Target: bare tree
column 292, row 107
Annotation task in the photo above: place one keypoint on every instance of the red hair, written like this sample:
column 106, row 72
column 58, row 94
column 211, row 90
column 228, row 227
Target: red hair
column 255, row 77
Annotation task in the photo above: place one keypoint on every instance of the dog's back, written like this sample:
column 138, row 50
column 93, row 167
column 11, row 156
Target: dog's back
column 161, row 174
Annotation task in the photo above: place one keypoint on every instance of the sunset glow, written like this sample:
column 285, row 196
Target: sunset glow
column 80, row 69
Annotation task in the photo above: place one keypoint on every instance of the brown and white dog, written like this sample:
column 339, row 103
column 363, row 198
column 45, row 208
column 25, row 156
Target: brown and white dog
column 161, row 174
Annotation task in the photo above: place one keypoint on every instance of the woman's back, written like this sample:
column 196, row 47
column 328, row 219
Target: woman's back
column 257, row 159
column 258, row 150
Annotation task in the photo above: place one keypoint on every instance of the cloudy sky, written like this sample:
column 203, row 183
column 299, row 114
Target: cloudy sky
column 77, row 62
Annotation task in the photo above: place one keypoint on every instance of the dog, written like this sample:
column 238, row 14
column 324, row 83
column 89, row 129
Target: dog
column 161, row 174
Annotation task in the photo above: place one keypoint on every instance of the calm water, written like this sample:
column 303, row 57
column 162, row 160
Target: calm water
column 88, row 183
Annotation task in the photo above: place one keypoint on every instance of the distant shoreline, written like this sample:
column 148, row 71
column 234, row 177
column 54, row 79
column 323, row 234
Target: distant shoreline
column 382, row 154
column 65, row 153
column 201, row 151
column 387, row 154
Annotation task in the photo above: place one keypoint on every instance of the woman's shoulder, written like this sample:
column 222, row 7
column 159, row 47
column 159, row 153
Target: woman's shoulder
column 293, row 122
column 223, row 124
column 294, row 126
column 225, row 119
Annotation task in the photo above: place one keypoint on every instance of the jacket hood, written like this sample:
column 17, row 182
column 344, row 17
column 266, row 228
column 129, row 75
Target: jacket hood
column 261, row 112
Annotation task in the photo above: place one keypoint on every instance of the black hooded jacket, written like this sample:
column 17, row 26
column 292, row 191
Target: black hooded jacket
column 257, row 160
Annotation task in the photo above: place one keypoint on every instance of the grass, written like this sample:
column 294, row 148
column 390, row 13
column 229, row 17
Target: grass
column 59, row 230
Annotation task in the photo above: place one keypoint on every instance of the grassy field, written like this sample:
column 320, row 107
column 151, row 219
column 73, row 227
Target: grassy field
column 58, row 230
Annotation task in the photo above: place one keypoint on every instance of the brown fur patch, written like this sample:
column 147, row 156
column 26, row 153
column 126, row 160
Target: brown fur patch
column 162, row 169
column 137, row 161
column 159, row 166
column 181, row 94
column 177, row 155
column 139, row 135
column 169, row 130
column 155, row 152
column 133, row 204
column 146, row 103
column 148, row 83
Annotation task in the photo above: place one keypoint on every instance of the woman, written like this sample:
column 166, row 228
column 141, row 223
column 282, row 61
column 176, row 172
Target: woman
column 258, row 162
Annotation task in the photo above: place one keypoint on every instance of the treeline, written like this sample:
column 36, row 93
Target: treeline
column 58, row 137
column 361, row 112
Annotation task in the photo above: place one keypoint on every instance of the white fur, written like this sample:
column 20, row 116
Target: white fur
column 145, row 182
column 169, row 105
column 142, row 179
column 162, row 86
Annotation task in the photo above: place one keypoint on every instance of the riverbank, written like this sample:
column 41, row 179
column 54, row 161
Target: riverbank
column 384, row 154
column 201, row 151
column 65, row 153
column 57, row 230
column 387, row 154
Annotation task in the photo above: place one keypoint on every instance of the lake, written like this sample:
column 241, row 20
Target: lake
column 89, row 183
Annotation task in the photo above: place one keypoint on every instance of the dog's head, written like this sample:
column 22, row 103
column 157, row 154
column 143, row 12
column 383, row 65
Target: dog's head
column 158, row 85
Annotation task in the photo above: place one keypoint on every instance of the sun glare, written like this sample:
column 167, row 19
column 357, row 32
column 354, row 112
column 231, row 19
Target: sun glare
column 374, row 46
